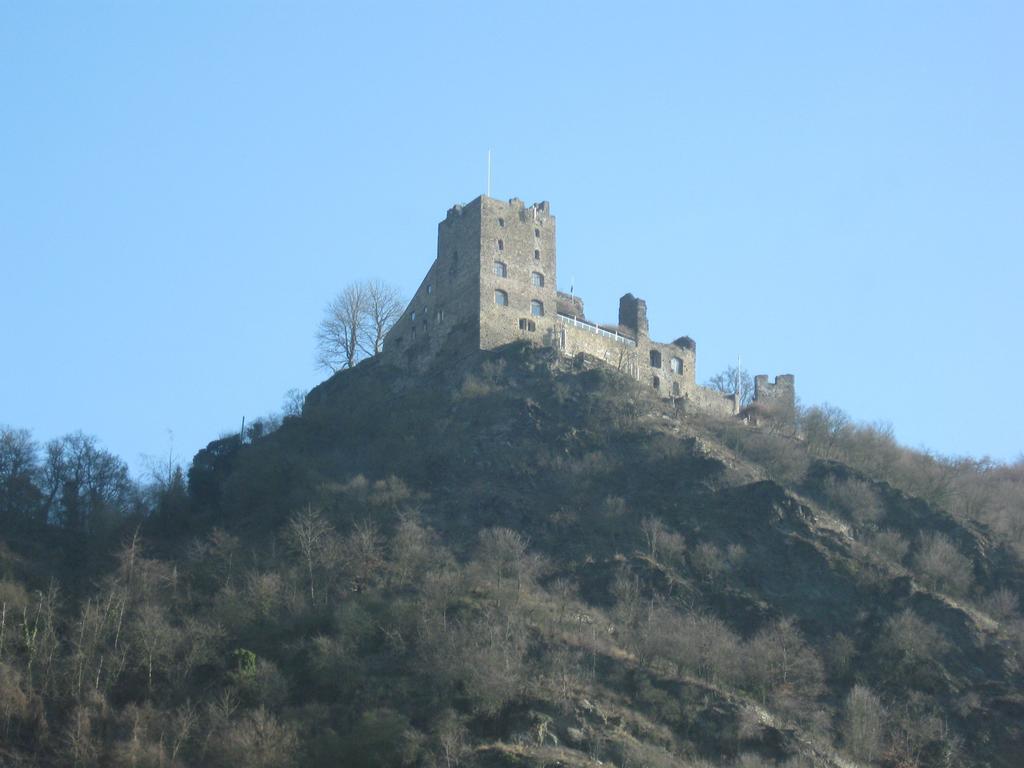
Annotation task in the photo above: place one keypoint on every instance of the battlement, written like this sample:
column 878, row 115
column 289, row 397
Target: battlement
column 494, row 281
column 775, row 398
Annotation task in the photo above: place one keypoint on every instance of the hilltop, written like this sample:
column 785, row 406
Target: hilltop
column 522, row 559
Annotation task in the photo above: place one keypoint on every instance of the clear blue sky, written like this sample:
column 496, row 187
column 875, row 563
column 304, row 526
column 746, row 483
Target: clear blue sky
column 834, row 190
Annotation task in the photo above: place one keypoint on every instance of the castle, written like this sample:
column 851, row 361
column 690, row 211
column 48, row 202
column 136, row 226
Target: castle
column 494, row 282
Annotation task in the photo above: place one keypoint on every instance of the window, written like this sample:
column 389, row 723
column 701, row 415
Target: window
column 536, row 255
column 413, row 317
column 527, row 325
column 537, row 308
column 655, row 359
column 536, row 233
column 439, row 316
column 656, row 382
column 522, row 323
column 501, row 245
column 501, row 298
column 677, row 365
column 531, row 326
column 501, row 222
column 430, row 289
column 500, row 269
column 537, row 279
column 675, row 389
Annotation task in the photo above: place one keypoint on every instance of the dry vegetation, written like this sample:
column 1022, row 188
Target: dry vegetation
column 517, row 565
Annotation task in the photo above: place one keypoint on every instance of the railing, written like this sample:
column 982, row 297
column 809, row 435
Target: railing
column 594, row 328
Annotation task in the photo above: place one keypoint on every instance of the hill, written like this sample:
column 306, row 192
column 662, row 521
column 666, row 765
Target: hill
column 520, row 560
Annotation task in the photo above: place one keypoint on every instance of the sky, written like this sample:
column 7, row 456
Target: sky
column 833, row 190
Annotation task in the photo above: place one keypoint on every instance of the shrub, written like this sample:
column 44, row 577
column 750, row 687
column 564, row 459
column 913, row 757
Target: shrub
column 941, row 566
column 782, row 458
column 1001, row 605
column 889, row 545
column 909, row 639
column 256, row 739
column 854, row 498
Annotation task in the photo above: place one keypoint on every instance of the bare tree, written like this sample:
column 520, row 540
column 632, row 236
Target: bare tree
column 154, row 641
column 825, row 428
column 941, row 565
column 504, row 564
column 450, row 735
column 339, row 334
column 383, row 308
column 910, row 640
column 85, row 487
column 731, row 379
column 314, row 541
column 294, row 399
column 778, row 658
column 652, row 529
column 889, row 545
column 363, row 552
column 863, row 724
column 1000, row 605
column 355, row 323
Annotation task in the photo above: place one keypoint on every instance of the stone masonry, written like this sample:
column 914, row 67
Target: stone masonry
column 494, row 282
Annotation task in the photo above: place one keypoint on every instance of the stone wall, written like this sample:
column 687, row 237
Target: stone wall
column 671, row 369
column 713, row 402
column 576, row 336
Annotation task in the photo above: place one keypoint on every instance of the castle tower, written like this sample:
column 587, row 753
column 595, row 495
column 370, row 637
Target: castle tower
column 633, row 315
column 518, row 296
column 777, row 398
column 493, row 281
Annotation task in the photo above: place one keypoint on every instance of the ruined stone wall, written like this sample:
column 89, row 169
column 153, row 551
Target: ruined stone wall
column 713, row 402
column 517, row 258
column 669, row 368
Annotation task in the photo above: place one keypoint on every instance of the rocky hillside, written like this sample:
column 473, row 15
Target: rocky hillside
column 524, row 561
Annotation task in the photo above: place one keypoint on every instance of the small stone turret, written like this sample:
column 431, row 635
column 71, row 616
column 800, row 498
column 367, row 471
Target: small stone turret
column 633, row 315
column 778, row 397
